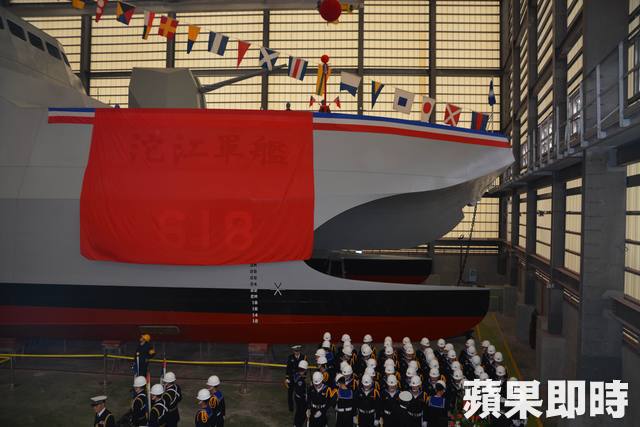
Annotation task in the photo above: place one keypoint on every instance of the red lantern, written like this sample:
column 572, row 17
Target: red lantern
column 330, row 10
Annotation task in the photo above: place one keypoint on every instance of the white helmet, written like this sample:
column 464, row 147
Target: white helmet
column 455, row 365
column 213, row 381
column 204, row 395
column 411, row 372
column 429, row 351
column 389, row 370
column 491, row 350
column 367, row 339
column 343, row 364
column 367, row 380
column 326, row 344
column 346, row 337
column 389, row 362
column 448, row 347
column 424, row 342
column 415, row 381
column 471, row 351
column 470, row 342
column 409, row 350
column 476, row 360
column 498, row 357
column 317, row 378
column 347, row 350
column 326, row 336
column 372, row 363
column 413, row 364
column 484, row 376
column 485, row 344
column 338, row 377
column 366, row 350
column 406, row 340
column 430, row 357
column 139, row 381
column 392, row 381
column 157, row 390
column 347, row 370
column 479, row 370
column 434, row 373
column 321, row 360
column 388, row 351
column 303, row 364
column 370, row 371
column 451, row 355
column 169, row 377
column 321, row 352
column 457, row 375
column 388, row 340
column 434, row 364
column 441, row 343
column 500, row 371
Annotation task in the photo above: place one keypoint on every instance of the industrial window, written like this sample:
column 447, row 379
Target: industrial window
column 53, row 51
column 543, row 222
column 16, row 30
column 522, row 221
column 509, row 218
column 486, row 224
column 545, row 36
column 574, row 7
column 632, row 236
column 36, row 41
column 242, row 95
column 524, row 68
column 112, row 91
column 470, row 93
column 524, row 141
column 574, row 66
column 68, row 33
column 573, row 224
column 396, row 34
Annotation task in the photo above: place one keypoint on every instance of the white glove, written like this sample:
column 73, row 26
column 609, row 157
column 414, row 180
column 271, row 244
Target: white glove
column 318, row 414
column 376, row 423
column 424, row 424
column 308, row 413
column 355, row 420
column 287, row 381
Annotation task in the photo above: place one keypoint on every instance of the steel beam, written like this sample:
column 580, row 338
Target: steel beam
column 85, row 52
column 433, row 67
column 361, row 59
column 264, row 99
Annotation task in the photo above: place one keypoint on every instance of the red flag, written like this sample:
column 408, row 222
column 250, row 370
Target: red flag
column 242, row 49
column 337, row 102
column 168, row 27
column 452, row 114
column 193, row 187
column 100, row 5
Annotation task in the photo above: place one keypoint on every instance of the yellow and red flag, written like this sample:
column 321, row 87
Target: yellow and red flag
column 168, row 27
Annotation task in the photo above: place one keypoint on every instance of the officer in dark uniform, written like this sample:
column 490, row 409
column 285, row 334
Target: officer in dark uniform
column 144, row 352
column 319, row 399
column 417, row 407
column 204, row 415
column 400, row 414
column 172, row 397
column 292, row 365
column 345, row 403
column 437, row 410
column 368, row 403
column 299, row 385
column 139, row 412
column 390, row 401
column 217, row 402
column 103, row 417
column 158, row 412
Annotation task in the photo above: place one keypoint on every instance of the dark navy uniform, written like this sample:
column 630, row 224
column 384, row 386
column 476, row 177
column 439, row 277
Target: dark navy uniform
column 416, row 409
column 158, row 414
column 218, row 408
column 389, row 405
column 300, row 399
column 345, row 407
column 139, row 409
column 436, row 412
column 144, row 352
column 318, row 401
column 369, row 406
column 204, row 418
column 104, row 419
column 171, row 397
column 292, row 368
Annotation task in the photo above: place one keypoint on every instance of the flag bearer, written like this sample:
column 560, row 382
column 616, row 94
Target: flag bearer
column 139, row 410
column 172, row 397
column 158, row 413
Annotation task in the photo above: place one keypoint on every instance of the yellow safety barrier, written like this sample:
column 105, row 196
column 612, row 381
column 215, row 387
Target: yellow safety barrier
column 54, row 356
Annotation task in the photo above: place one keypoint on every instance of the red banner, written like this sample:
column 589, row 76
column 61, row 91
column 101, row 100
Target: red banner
column 198, row 187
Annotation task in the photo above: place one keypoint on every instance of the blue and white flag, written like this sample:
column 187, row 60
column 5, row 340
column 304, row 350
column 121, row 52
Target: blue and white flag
column 402, row 101
column 350, row 82
column 297, row 68
column 268, row 58
column 492, row 94
column 218, row 43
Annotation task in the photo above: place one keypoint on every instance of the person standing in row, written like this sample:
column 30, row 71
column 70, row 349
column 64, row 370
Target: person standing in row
column 171, row 397
column 139, row 410
column 204, row 415
column 293, row 361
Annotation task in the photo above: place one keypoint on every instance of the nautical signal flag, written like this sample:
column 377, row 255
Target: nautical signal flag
column 148, row 23
column 268, row 58
column 168, row 27
column 428, row 104
column 243, row 47
column 124, row 12
column 479, row 121
column 217, row 43
column 376, row 88
column 350, row 82
column 452, row 114
column 492, row 94
column 324, row 72
column 100, row 5
column 194, row 31
column 403, row 100
column 77, row 4
column 297, row 68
